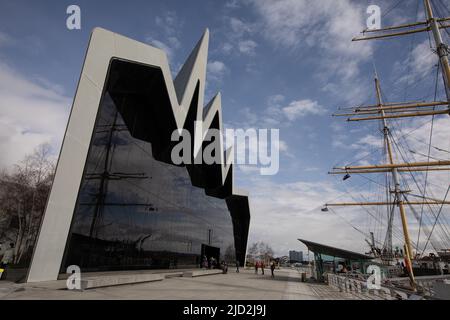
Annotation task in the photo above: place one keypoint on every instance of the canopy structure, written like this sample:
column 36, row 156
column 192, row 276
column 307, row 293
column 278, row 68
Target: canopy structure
column 351, row 258
column 318, row 248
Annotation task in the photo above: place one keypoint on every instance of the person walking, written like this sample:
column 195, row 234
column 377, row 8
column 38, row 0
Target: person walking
column 224, row 267
column 256, row 267
column 205, row 262
column 210, row 262
column 272, row 269
column 441, row 266
column 237, row 266
column 262, row 267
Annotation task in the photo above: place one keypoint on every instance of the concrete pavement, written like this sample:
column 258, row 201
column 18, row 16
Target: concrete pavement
column 245, row 285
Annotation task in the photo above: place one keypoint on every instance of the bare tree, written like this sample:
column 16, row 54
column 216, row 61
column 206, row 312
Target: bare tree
column 260, row 251
column 23, row 197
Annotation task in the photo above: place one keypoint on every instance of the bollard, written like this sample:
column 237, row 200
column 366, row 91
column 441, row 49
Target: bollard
column 303, row 276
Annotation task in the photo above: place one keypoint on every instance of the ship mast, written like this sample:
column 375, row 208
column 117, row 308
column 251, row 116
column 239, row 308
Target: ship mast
column 382, row 112
column 398, row 193
column 441, row 48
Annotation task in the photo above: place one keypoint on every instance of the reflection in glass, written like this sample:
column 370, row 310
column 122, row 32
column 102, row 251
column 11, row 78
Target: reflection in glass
column 134, row 212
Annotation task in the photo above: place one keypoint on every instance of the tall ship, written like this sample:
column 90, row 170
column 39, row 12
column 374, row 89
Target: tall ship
column 405, row 195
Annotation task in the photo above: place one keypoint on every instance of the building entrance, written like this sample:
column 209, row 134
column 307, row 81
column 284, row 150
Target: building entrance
column 210, row 251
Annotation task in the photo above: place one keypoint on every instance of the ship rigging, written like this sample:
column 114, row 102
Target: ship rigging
column 399, row 198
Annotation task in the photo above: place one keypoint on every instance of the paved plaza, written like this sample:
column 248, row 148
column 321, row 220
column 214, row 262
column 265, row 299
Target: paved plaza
column 245, row 285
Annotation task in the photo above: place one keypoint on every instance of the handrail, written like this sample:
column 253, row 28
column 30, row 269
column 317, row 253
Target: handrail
column 357, row 287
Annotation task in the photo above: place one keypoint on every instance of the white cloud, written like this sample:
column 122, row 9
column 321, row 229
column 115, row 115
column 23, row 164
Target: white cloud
column 247, row 47
column 276, row 116
column 419, row 64
column 293, row 211
column 216, row 67
column 249, row 118
column 163, row 46
column 338, row 141
column 368, row 141
column 248, row 169
column 239, row 27
column 423, row 57
column 301, row 108
column 31, row 113
column 227, row 48
column 312, row 169
column 216, row 70
column 170, row 24
column 275, row 99
column 283, row 146
column 327, row 23
column 327, row 27
column 232, row 4
column 174, row 42
column 237, row 37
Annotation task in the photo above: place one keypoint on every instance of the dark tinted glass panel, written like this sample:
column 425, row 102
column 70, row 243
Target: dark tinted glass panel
column 134, row 212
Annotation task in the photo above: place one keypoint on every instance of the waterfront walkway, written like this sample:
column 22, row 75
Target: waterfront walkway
column 245, row 285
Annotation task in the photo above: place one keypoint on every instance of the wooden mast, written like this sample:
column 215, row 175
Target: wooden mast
column 397, row 191
column 441, row 48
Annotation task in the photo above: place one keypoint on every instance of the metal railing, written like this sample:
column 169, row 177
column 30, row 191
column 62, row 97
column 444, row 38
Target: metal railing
column 391, row 289
column 359, row 288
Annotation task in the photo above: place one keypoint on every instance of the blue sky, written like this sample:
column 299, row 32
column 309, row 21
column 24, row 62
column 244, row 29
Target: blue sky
column 279, row 64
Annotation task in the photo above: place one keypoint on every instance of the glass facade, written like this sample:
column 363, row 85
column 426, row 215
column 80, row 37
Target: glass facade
column 133, row 211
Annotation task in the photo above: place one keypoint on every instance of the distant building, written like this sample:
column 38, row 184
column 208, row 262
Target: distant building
column 295, row 256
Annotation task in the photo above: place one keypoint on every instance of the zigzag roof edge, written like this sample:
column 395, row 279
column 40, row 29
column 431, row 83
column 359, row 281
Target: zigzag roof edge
column 193, row 70
column 181, row 89
column 214, row 108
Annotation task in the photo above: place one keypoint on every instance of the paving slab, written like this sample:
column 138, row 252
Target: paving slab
column 200, row 273
column 109, row 281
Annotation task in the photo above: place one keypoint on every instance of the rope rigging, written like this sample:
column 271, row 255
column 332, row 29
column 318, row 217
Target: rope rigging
column 434, row 225
column 428, row 158
column 444, row 232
